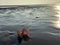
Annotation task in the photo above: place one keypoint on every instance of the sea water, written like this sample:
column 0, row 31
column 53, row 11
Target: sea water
column 38, row 19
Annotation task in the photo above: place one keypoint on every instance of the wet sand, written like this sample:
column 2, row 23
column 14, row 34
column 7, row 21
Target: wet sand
column 7, row 39
column 37, row 41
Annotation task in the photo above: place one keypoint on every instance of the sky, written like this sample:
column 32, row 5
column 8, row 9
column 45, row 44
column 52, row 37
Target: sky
column 28, row 2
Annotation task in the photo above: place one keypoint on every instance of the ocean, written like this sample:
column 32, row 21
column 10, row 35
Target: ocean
column 40, row 20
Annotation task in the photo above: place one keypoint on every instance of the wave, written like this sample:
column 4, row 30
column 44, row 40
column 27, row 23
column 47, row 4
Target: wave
column 23, row 15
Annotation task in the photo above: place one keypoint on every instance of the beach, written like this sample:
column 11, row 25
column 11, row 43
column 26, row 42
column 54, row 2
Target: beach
column 40, row 21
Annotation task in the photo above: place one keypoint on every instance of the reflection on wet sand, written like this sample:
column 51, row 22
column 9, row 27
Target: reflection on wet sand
column 56, row 23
